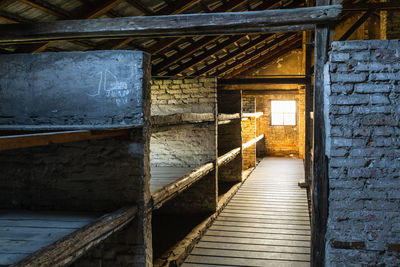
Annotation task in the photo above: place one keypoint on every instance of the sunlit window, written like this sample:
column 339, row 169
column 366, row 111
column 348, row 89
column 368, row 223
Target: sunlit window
column 283, row 112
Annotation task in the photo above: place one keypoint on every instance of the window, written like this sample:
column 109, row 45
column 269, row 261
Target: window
column 283, row 112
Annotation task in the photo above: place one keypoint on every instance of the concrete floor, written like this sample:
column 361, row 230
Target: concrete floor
column 265, row 224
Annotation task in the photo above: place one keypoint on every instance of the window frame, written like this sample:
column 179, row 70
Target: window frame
column 295, row 112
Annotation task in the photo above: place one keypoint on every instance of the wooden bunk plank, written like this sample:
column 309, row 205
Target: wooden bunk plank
column 181, row 118
column 192, row 24
column 172, row 189
column 252, row 142
column 161, row 176
column 255, row 115
column 228, row 157
column 223, row 116
column 44, row 139
column 72, row 246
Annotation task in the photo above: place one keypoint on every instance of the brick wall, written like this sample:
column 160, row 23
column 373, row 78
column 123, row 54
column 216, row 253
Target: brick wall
column 281, row 140
column 249, row 132
column 183, row 147
column 363, row 147
column 183, row 96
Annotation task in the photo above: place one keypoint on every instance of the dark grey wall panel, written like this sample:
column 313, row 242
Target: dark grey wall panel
column 97, row 89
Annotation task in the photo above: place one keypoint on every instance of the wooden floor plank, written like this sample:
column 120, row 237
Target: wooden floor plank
column 265, row 224
column 254, row 247
column 231, row 261
column 250, row 254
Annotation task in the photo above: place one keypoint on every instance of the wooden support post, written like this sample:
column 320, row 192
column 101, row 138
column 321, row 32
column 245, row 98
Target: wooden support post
column 192, row 24
column 307, row 53
column 323, row 37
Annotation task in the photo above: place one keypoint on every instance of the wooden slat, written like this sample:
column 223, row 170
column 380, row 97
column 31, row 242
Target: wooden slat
column 228, row 157
column 260, row 227
column 169, row 191
column 43, row 139
column 252, row 142
column 250, row 254
column 161, row 176
column 280, row 50
column 194, row 24
column 69, row 248
column 251, row 247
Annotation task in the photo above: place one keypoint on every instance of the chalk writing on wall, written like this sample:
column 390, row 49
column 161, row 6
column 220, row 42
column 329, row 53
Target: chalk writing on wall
column 113, row 88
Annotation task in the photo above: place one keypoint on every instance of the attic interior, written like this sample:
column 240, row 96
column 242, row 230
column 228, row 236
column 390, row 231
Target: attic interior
column 199, row 133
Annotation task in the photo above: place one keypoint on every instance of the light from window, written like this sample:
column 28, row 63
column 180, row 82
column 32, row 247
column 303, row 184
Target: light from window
column 283, row 112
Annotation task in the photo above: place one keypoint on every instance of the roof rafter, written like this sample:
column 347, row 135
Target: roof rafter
column 277, row 43
column 86, row 13
column 268, row 57
column 202, row 43
column 262, row 39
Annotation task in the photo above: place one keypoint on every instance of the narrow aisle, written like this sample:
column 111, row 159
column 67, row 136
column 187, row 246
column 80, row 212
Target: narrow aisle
column 265, row 224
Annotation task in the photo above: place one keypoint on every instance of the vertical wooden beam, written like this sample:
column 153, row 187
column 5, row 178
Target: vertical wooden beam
column 307, row 60
column 308, row 108
column 323, row 37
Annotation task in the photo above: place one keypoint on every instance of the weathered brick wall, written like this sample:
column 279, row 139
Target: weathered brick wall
column 363, row 146
column 281, row 140
column 184, row 147
column 249, row 132
column 249, row 104
column 183, row 96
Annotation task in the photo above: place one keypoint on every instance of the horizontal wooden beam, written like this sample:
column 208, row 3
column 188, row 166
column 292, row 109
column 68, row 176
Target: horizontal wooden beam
column 253, row 115
column 228, row 157
column 172, row 189
column 223, row 116
column 181, row 118
column 71, row 247
column 296, row 80
column 270, row 92
column 252, row 142
column 44, row 139
column 176, row 25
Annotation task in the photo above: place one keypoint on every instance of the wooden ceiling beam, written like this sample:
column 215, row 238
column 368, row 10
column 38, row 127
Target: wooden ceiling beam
column 139, row 6
column 206, row 54
column 242, row 50
column 287, row 46
column 188, row 24
column 86, row 14
column 268, row 57
column 206, row 40
column 195, row 60
column 200, row 44
column 46, row 8
column 356, row 25
column 5, row 3
column 177, row 9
